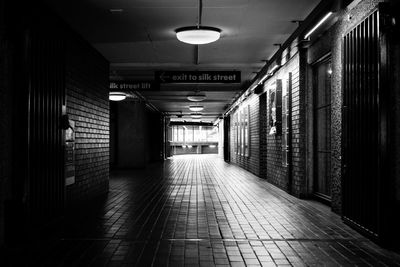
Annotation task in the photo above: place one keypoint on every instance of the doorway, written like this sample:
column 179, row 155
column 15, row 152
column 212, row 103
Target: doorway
column 322, row 129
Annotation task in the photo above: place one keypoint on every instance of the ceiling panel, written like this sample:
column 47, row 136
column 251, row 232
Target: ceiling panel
column 141, row 40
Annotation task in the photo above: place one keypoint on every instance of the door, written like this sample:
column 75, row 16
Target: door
column 227, row 132
column 322, row 129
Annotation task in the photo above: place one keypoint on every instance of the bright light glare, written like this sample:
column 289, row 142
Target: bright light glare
column 212, row 146
column 318, row 24
column 195, row 116
column 198, row 36
column 116, row 96
column 196, row 108
column 196, row 98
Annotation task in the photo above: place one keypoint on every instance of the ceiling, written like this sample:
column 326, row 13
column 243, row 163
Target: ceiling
column 141, row 40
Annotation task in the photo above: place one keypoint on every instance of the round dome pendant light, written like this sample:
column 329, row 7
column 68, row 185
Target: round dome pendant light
column 196, row 115
column 196, row 108
column 116, row 96
column 198, row 35
column 196, row 97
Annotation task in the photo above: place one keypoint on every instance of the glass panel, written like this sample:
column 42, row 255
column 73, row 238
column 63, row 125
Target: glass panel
column 237, row 134
column 324, row 84
column 189, row 134
column 323, row 174
column 284, row 157
column 248, row 131
column 180, row 134
column 322, row 117
column 175, row 133
column 322, row 112
column 197, row 130
column 242, row 132
column 211, row 134
column 285, row 116
column 284, row 123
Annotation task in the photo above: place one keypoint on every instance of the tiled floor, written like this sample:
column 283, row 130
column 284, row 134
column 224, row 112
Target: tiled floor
column 200, row 211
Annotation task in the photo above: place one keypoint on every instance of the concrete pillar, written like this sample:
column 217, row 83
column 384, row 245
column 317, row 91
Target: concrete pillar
column 131, row 130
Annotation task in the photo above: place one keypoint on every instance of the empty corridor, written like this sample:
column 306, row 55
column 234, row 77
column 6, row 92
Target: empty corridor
column 200, row 211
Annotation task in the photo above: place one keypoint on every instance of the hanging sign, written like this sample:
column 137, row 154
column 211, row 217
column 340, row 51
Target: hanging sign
column 188, row 77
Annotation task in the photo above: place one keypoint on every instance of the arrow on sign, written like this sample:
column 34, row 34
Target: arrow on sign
column 164, row 77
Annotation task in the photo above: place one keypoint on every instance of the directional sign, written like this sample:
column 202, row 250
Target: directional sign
column 132, row 86
column 197, row 77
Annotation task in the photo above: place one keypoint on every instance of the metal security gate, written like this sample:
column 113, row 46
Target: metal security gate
column 364, row 126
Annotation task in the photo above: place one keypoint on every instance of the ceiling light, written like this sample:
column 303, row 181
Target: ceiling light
column 116, row 96
column 318, row 24
column 195, row 115
column 196, row 108
column 198, row 35
column 196, row 97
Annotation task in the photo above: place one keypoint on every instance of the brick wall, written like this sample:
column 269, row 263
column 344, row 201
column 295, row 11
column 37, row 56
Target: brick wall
column 263, row 122
column 87, row 85
column 275, row 171
column 252, row 162
column 221, row 139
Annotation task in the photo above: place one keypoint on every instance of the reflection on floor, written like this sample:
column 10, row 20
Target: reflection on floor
column 199, row 211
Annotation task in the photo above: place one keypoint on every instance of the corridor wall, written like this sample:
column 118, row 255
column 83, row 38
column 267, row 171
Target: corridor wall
column 266, row 156
column 251, row 161
column 294, row 67
column 47, row 71
column 87, row 104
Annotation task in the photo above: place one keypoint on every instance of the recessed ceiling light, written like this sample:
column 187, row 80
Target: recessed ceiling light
column 196, row 108
column 116, row 96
